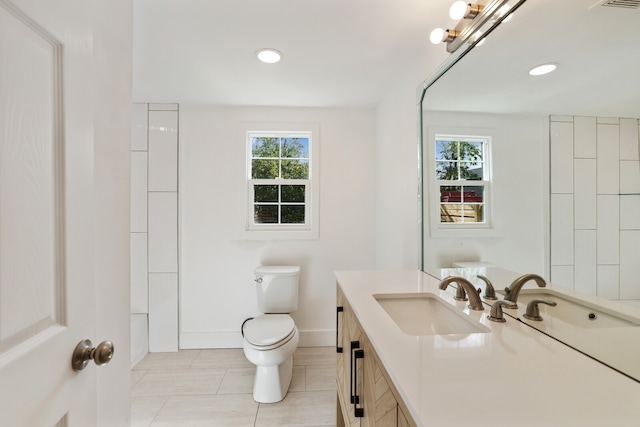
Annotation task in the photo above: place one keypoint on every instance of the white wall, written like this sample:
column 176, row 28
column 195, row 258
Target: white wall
column 519, row 153
column 397, row 210
column 397, row 225
column 216, row 263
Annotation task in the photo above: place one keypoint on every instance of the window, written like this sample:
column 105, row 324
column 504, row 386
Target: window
column 461, row 182
column 280, row 196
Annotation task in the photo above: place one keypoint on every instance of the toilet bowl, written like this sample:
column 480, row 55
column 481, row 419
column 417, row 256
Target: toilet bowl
column 269, row 340
column 269, row 343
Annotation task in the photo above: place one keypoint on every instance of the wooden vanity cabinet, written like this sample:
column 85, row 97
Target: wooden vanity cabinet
column 365, row 397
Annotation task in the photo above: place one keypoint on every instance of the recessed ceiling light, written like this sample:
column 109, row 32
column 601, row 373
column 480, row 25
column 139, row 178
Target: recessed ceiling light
column 543, row 69
column 269, row 56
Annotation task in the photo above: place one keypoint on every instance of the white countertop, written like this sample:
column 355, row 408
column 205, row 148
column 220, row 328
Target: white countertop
column 513, row 375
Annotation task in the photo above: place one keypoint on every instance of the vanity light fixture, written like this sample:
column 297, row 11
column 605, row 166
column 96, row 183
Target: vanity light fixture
column 439, row 35
column 269, row 56
column 473, row 19
column 543, row 69
column 463, row 10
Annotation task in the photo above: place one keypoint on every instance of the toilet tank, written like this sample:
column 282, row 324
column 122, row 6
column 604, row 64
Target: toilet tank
column 277, row 288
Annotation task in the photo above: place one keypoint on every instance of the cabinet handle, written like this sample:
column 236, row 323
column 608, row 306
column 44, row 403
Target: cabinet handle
column 354, row 345
column 357, row 412
column 339, row 310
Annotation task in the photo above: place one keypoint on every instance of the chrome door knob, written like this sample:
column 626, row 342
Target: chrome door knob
column 84, row 352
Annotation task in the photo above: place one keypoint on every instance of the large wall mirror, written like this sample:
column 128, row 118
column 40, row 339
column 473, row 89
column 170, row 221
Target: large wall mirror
column 561, row 194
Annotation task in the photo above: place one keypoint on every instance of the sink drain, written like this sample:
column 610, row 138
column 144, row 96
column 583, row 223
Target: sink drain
column 593, row 316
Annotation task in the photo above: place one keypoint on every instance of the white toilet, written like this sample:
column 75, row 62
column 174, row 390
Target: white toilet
column 270, row 339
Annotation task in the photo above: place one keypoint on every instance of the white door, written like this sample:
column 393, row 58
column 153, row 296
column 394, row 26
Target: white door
column 47, row 292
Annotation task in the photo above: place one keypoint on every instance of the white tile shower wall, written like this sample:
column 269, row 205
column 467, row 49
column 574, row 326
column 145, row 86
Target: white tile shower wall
column 629, row 265
column 139, row 337
column 139, row 192
column 163, row 312
column 153, row 240
column 584, row 143
column 608, row 229
column 608, row 142
column 585, row 193
column 163, row 232
column 585, row 267
column 629, row 139
column 163, row 149
column 594, row 247
column 139, row 273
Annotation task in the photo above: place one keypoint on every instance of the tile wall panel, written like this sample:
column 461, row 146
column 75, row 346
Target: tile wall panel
column 630, row 212
column 562, row 230
column 629, row 265
column 585, row 261
column 608, row 120
column 562, row 274
column 154, row 226
column 163, row 151
column 629, row 139
column 139, row 271
column 163, row 232
column 608, row 229
column 139, row 337
column 163, row 107
column 138, row 192
column 561, row 157
column 609, row 281
column 139, row 127
column 585, row 193
column 629, row 177
column 612, row 257
column 163, row 312
column 584, row 137
column 608, row 158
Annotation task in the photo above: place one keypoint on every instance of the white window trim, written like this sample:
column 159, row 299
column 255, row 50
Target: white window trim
column 432, row 201
column 309, row 230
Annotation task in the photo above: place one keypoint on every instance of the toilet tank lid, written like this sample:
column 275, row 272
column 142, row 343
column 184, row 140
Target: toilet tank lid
column 281, row 270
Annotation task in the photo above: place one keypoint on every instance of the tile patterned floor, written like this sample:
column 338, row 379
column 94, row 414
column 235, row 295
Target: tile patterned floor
column 214, row 388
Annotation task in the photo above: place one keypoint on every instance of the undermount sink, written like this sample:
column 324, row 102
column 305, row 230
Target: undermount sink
column 573, row 311
column 425, row 313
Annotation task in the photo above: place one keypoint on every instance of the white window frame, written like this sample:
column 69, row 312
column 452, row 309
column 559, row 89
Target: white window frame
column 310, row 228
column 459, row 229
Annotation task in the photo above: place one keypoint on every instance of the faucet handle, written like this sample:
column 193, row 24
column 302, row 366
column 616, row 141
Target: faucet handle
column 533, row 311
column 489, row 291
column 496, row 315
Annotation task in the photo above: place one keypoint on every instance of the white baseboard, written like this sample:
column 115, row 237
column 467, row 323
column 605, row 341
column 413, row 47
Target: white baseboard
column 198, row 340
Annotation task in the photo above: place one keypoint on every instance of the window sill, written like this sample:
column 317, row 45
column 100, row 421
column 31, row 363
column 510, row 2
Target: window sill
column 455, row 233
column 280, row 234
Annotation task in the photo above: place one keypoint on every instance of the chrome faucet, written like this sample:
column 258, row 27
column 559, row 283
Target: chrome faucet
column 475, row 303
column 512, row 292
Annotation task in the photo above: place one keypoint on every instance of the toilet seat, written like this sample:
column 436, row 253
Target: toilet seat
column 269, row 331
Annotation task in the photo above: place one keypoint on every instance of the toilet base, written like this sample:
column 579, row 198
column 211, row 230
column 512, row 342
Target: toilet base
column 271, row 383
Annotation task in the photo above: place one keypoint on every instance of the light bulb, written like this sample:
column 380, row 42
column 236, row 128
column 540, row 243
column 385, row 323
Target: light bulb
column 543, row 69
column 458, row 10
column 437, row 36
column 269, row 56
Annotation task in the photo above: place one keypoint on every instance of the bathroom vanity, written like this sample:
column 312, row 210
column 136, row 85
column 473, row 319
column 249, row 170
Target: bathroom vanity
column 397, row 366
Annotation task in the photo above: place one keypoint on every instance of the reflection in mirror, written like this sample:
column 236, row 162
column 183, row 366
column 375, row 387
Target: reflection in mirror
column 562, row 190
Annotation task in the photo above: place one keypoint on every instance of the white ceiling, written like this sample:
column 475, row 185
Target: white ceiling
column 597, row 49
column 336, row 52
column 352, row 52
